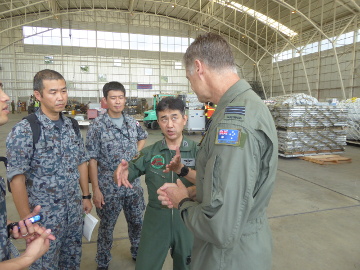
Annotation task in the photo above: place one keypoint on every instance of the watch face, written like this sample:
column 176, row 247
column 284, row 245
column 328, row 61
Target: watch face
column 184, row 171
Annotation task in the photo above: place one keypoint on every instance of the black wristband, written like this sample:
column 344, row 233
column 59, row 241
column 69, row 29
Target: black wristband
column 87, row 197
column 187, row 199
column 184, row 171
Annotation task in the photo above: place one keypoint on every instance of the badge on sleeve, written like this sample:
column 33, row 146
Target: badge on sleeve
column 232, row 137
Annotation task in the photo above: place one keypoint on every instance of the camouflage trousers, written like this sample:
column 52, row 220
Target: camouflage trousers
column 65, row 220
column 133, row 205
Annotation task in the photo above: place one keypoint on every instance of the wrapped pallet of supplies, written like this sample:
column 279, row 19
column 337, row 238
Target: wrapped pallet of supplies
column 353, row 118
column 307, row 127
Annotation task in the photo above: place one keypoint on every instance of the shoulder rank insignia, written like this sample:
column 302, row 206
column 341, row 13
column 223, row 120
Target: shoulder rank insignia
column 235, row 110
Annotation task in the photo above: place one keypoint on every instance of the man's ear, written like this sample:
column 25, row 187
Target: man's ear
column 185, row 118
column 37, row 95
column 199, row 68
column 104, row 99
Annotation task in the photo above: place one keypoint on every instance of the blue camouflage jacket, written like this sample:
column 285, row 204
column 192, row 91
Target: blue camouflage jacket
column 4, row 250
column 108, row 145
column 52, row 167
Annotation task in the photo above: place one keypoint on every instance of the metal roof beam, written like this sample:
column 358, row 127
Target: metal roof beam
column 131, row 6
column 54, row 8
column 22, row 7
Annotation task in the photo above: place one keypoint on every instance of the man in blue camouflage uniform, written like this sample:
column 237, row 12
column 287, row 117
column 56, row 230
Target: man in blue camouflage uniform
column 49, row 172
column 38, row 238
column 112, row 137
column 163, row 228
column 4, row 248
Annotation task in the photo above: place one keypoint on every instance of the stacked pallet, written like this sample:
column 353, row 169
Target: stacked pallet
column 327, row 159
column 306, row 128
column 353, row 118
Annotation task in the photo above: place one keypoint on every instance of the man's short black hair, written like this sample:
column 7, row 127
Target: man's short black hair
column 45, row 74
column 113, row 86
column 170, row 103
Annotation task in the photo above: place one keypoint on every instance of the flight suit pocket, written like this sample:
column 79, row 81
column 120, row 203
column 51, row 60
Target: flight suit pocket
column 210, row 186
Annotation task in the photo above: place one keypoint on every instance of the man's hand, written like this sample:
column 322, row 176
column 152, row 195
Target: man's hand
column 163, row 197
column 175, row 164
column 121, row 174
column 87, row 205
column 40, row 245
column 98, row 198
column 27, row 229
column 170, row 194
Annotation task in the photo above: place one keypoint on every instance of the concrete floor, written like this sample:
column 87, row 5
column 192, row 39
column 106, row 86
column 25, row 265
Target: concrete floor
column 314, row 215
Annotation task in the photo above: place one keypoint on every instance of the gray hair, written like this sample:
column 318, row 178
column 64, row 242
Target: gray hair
column 211, row 49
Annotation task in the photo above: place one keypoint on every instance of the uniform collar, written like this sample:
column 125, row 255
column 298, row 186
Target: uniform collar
column 184, row 146
column 47, row 122
column 109, row 122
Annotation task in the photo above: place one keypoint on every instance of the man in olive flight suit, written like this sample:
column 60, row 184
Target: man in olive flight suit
column 235, row 166
column 163, row 228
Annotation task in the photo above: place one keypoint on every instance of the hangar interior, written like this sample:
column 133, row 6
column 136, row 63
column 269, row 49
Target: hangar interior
column 281, row 47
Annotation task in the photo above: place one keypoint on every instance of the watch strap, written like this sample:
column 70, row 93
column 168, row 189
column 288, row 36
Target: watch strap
column 184, row 171
column 87, row 197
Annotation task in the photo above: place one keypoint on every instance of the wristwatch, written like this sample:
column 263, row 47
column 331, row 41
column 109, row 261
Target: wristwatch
column 184, row 171
column 87, row 197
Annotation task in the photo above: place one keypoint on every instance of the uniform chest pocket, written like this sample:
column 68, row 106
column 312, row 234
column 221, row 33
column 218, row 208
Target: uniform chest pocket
column 46, row 158
column 44, row 149
column 107, row 137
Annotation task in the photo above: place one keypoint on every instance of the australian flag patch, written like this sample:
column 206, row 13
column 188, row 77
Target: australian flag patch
column 228, row 137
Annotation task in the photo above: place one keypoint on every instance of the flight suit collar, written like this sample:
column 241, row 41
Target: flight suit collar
column 184, row 147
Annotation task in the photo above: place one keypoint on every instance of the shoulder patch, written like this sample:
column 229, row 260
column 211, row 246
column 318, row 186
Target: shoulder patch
column 232, row 137
column 157, row 161
column 139, row 155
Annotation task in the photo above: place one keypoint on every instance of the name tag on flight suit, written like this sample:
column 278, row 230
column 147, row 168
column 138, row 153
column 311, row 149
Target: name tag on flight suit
column 190, row 162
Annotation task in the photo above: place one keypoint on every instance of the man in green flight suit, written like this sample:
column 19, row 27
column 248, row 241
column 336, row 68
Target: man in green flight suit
column 162, row 227
column 235, row 166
